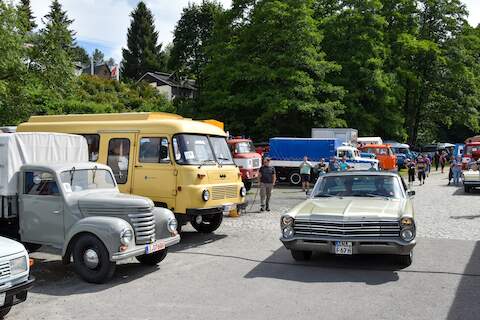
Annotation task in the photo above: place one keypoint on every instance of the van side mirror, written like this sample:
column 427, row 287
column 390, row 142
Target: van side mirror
column 411, row 193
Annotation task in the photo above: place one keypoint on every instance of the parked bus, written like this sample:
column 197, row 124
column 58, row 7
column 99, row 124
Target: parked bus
column 180, row 164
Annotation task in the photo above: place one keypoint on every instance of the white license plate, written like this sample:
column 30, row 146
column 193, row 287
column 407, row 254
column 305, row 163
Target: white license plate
column 343, row 247
column 154, row 247
column 2, row 298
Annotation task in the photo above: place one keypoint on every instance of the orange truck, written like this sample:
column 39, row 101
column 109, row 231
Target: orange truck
column 386, row 157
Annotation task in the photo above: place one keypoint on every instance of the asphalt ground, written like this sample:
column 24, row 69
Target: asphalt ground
column 243, row 272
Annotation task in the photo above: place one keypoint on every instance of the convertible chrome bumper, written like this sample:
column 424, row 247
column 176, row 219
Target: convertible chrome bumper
column 359, row 246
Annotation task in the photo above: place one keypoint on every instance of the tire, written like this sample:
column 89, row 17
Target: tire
column 300, row 255
column 467, row 189
column 152, row 259
column 248, row 185
column 4, row 312
column 295, row 178
column 209, row 223
column 104, row 269
column 405, row 260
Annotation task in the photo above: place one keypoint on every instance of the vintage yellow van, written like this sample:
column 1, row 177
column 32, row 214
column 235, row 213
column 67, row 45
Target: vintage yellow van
column 179, row 163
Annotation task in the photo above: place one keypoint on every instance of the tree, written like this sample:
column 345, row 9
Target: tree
column 191, row 37
column 97, row 56
column 80, row 55
column 54, row 50
column 111, row 62
column 143, row 54
column 263, row 82
column 26, row 15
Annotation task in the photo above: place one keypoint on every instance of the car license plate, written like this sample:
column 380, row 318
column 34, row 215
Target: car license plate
column 229, row 207
column 154, row 247
column 343, row 247
column 2, row 298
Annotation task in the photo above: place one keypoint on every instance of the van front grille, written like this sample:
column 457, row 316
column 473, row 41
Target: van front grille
column 224, row 192
column 4, row 270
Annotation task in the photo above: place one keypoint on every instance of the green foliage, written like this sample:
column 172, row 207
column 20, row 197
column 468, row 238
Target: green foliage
column 79, row 54
column 191, row 36
column 267, row 75
column 98, row 56
column 142, row 54
column 27, row 19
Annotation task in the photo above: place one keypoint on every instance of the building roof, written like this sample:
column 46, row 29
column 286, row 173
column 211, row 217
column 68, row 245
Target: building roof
column 170, row 79
column 87, row 69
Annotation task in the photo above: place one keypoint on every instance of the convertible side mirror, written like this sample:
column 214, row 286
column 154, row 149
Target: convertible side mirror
column 411, row 193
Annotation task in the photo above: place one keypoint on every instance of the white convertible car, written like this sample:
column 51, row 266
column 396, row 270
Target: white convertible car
column 353, row 213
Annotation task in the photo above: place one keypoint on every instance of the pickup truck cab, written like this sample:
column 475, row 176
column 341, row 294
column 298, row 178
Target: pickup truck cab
column 14, row 275
column 354, row 159
column 384, row 154
column 78, row 209
column 246, row 158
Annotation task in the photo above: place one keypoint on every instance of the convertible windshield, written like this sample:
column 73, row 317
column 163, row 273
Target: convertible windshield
column 87, row 179
column 196, row 149
column 359, row 186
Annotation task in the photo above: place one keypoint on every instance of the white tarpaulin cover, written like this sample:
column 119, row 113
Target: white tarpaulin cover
column 17, row 149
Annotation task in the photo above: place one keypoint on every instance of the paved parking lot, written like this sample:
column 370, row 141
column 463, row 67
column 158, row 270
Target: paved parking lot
column 243, row 272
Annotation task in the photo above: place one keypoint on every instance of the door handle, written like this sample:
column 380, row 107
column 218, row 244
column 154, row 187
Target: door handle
column 138, row 166
column 56, row 212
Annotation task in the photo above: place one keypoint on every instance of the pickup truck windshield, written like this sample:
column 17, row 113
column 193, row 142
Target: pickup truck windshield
column 244, row 147
column 192, row 149
column 368, row 186
column 87, row 179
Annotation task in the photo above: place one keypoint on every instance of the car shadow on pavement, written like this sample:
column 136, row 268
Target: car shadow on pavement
column 461, row 192
column 190, row 240
column 54, row 278
column 328, row 268
column 466, row 305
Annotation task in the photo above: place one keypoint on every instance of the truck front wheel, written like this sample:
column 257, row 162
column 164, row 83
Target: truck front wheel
column 91, row 260
column 295, row 178
column 208, row 223
column 152, row 259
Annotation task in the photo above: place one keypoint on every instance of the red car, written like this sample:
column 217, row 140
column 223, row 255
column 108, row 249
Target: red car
column 246, row 158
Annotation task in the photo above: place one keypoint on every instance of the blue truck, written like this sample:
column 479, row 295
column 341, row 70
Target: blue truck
column 287, row 155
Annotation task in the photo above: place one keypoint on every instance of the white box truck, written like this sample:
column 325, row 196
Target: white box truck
column 345, row 135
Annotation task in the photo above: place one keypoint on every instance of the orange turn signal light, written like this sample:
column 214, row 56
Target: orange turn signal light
column 123, row 248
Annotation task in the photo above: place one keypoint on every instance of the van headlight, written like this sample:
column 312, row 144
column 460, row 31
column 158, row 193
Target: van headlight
column 18, row 265
column 126, row 236
column 172, row 225
column 243, row 192
column 205, row 195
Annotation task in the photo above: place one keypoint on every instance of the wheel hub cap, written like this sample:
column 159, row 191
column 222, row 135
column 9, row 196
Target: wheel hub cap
column 90, row 257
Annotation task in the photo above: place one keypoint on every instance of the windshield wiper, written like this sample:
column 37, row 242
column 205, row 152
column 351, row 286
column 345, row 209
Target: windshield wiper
column 376, row 195
column 205, row 162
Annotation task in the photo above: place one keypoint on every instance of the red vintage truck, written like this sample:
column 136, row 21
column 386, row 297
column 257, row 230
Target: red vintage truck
column 471, row 151
column 246, row 158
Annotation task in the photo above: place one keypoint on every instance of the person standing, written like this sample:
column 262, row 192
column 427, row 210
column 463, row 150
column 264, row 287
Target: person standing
column 305, row 171
column 267, row 177
column 457, row 170
column 421, row 169
column 344, row 165
column 436, row 160
column 411, row 172
column 443, row 160
column 333, row 166
column 321, row 167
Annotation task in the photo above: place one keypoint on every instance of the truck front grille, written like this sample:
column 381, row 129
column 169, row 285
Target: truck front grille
column 143, row 224
column 256, row 163
column 347, row 229
column 4, row 270
column 224, row 192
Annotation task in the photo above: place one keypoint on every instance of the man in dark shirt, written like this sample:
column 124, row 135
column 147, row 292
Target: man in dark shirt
column 267, row 179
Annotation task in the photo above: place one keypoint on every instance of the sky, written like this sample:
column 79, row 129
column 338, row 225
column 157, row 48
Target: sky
column 103, row 24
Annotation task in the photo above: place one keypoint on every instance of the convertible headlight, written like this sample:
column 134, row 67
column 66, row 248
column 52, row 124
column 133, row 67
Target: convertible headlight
column 18, row 265
column 126, row 236
column 205, row 195
column 172, row 225
column 243, row 192
column 288, row 232
column 407, row 234
column 286, row 221
column 406, row 222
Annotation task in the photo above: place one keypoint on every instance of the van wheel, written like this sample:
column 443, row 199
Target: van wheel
column 91, row 260
column 300, row 255
column 295, row 178
column 209, row 223
column 152, row 259
column 248, row 185
column 4, row 312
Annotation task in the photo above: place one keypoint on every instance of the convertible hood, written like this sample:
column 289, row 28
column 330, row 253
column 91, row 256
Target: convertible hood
column 350, row 208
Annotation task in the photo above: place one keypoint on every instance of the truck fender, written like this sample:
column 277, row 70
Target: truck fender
column 162, row 216
column 107, row 229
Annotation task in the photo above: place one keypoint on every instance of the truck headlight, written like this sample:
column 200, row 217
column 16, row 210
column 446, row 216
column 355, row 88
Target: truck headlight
column 172, row 225
column 286, row 221
column 126, row 236
column 18, row 265
column 243, row 192
column 205, row 195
